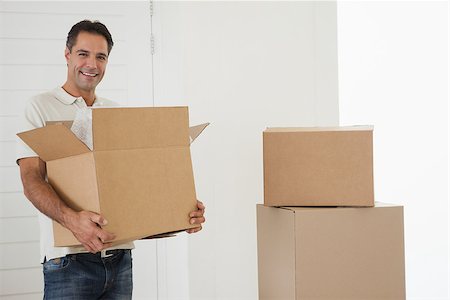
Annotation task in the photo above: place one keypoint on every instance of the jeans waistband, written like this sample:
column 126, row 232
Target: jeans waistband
column 102, row 254
column 109, row 253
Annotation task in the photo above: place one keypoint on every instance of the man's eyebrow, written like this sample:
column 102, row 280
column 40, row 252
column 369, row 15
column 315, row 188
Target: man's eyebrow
column 86, row 51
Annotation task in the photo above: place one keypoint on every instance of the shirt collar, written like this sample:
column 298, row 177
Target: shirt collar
column 67, row 98
column 64, row 96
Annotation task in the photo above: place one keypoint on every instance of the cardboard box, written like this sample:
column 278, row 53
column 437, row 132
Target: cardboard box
column 139, row 175
column 331, row 253
column 316, row 166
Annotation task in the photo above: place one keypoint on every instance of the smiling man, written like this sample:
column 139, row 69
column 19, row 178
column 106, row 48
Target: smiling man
column 94, row 270
column 86, row 55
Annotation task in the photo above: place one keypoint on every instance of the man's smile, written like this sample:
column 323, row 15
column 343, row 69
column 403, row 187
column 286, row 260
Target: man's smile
column 89, row 74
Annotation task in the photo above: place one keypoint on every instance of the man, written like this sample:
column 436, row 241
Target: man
column 94, row 270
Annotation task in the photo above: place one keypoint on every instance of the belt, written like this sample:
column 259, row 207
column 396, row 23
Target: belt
column 101, row 254
column 108, row 253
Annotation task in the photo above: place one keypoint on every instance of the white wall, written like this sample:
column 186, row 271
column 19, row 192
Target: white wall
column 32, row 42
column 393, row 73
column 242, row 66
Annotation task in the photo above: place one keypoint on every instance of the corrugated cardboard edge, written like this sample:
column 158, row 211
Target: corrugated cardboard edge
column 151, row 237
column 318, row 129
column 376, row 205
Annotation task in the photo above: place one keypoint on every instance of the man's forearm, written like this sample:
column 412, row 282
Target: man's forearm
column 45, row 199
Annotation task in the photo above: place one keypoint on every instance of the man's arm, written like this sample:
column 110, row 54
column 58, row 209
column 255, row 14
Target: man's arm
column 84, row 225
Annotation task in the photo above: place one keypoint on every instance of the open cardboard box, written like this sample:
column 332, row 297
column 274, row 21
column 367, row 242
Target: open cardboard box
column 318, row 166
column 139, row 175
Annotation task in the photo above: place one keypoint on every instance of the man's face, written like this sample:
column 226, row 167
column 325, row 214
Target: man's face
column 87, row 61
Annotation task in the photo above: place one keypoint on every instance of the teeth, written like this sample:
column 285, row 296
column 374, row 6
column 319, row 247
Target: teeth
column 89, row 74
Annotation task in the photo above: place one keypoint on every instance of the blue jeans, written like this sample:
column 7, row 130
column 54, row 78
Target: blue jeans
column 88, row 276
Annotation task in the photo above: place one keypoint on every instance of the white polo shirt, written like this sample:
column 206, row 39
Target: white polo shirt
column 55, row 105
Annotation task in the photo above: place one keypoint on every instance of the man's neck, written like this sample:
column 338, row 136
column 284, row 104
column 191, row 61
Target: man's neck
column 88, row 96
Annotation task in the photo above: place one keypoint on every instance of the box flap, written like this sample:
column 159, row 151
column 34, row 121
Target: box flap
column 61, row 177
column 195, row 131
column 139, row 127
column 53, row 142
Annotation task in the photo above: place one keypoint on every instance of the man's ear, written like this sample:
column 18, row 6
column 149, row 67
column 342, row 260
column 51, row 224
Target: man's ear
column 67, row 54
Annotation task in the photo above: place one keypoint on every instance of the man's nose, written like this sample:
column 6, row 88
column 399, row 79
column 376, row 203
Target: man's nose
column 91, row 62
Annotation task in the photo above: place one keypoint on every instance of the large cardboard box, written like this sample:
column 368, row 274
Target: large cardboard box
column 138, row 176
column 315, row 166
column 331, row 253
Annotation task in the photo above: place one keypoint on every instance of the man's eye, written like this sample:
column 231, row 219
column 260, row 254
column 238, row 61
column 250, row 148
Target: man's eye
column 82, row 54
column 101, row 57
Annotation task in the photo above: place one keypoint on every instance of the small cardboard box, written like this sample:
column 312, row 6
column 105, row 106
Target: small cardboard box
column 138, row 176
column 315, row 166
column 331, row 253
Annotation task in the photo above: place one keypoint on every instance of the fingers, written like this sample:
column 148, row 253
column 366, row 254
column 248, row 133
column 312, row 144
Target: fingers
column 102, row 234
column 200, row 205
column 197, row 220
column 98, row 219
column 101, row 240
column 196, row 214
column 197, row 217
column 194, row 230
column 199, row 212
column 105, row 236
column 90, row 234
column 95, row 247
column 88, row 248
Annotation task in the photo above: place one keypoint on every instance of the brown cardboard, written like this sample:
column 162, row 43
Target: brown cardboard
column 53, row 142
column 195, row 131
column 139, row 175
column 331, row 253
column 315, row 166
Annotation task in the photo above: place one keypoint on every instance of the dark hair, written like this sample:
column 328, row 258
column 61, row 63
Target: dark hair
column 94, row 27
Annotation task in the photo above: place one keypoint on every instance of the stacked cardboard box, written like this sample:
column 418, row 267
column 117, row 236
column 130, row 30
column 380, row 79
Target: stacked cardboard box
column 320, row 234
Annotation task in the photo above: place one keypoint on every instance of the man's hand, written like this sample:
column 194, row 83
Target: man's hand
column 85, row 226
column 197, row 217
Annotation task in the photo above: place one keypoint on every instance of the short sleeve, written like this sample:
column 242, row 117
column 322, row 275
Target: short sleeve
column 29, row 120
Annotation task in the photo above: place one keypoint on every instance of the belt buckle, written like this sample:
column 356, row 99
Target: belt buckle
column 104, row 254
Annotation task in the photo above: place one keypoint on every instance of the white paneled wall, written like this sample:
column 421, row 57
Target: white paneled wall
column 32, row 42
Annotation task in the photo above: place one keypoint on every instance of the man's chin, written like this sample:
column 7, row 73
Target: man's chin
column 87, row 86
